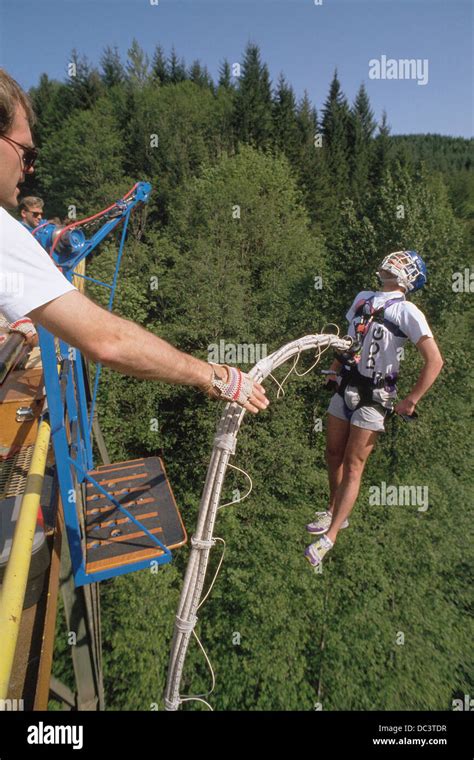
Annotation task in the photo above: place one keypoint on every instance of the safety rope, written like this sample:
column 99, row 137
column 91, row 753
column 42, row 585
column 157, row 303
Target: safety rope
column 203, row 540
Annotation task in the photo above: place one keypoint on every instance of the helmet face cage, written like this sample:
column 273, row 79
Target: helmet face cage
column 407, row 267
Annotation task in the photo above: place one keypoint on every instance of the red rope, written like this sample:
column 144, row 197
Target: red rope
column 88, row 219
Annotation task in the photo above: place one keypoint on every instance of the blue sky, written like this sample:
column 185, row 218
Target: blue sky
column 303, row 40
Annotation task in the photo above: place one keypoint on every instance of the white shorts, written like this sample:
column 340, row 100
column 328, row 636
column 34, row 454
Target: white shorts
column 366, row 417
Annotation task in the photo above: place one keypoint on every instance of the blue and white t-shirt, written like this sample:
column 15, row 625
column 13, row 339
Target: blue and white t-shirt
column 381, row 347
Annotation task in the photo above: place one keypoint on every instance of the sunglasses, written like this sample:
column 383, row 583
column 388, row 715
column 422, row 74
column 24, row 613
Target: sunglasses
column 29, row 154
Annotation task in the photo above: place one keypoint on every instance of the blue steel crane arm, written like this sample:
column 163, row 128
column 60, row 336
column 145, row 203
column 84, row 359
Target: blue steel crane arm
column 68, row 246
column 121, row 211
column 71, row 414
column 69, row 264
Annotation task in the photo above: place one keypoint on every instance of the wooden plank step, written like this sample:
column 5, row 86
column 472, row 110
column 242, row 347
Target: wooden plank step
column 143, row 488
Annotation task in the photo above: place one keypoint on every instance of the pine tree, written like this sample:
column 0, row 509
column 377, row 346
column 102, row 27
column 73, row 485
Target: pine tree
column 382, row 152
column 285, row 125
column 253, row 102
column 52, row 102
column 159, row 66
column 225, row 75
column 199, row 75
column 363, row 111
column 335, row 130
column 361, row 128
column 137, row 65
column 112, row 68
column 312, row 167
column 84, row 82
column 307, row 120
column 176, row 67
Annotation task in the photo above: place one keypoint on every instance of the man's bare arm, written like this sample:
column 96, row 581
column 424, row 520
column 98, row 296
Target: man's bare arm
column 125, row 346
column 430, row 352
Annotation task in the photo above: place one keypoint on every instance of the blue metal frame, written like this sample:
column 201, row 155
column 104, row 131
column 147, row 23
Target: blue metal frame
column 70, row 417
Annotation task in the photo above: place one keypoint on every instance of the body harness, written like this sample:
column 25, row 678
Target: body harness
column 366, row 314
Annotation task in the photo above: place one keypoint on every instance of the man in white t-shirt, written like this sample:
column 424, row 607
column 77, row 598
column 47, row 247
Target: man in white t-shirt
column 31, row 285
column 380, row 323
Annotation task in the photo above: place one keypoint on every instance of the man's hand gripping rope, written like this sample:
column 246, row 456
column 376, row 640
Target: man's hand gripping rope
column 231, row 384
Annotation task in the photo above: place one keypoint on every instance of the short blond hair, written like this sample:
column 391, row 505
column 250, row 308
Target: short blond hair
column 29, row 201
column 12, row 95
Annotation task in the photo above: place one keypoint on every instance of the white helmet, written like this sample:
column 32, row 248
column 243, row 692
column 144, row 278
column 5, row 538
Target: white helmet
column 408, row 268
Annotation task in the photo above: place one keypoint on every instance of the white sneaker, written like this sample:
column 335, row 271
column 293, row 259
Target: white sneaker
column 322, row 523
column 315, row 553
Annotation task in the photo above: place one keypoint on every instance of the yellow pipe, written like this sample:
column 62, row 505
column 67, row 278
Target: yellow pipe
column 79, row 282
column 16, row 573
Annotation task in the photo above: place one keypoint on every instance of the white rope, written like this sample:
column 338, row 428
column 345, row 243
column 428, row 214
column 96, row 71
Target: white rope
column 242, row 498
column 200, row 697
column 320, row 351
column 224, row 446
column 226, row 442
column 331, row 324
column 201, row 543
column 185, row 625
column 288, row 374
column 205, row 544
column 280, row 387
column 217, row 538
column 196, row 699
column 318, row 357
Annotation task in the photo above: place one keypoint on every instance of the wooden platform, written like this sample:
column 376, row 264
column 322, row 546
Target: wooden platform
column 12, row 348
column 142, row 487
column 22, row 390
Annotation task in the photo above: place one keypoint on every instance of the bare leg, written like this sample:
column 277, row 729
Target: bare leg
column 358, row 448
column 337, row 433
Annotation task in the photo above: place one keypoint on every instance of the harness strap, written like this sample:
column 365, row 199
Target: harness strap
column 393, row 328
column 350, row 374
column 365, row 386
column 376, row 312
column 375, row 315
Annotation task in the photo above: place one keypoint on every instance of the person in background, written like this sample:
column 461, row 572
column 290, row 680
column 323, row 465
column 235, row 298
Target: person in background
column 31, row 211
